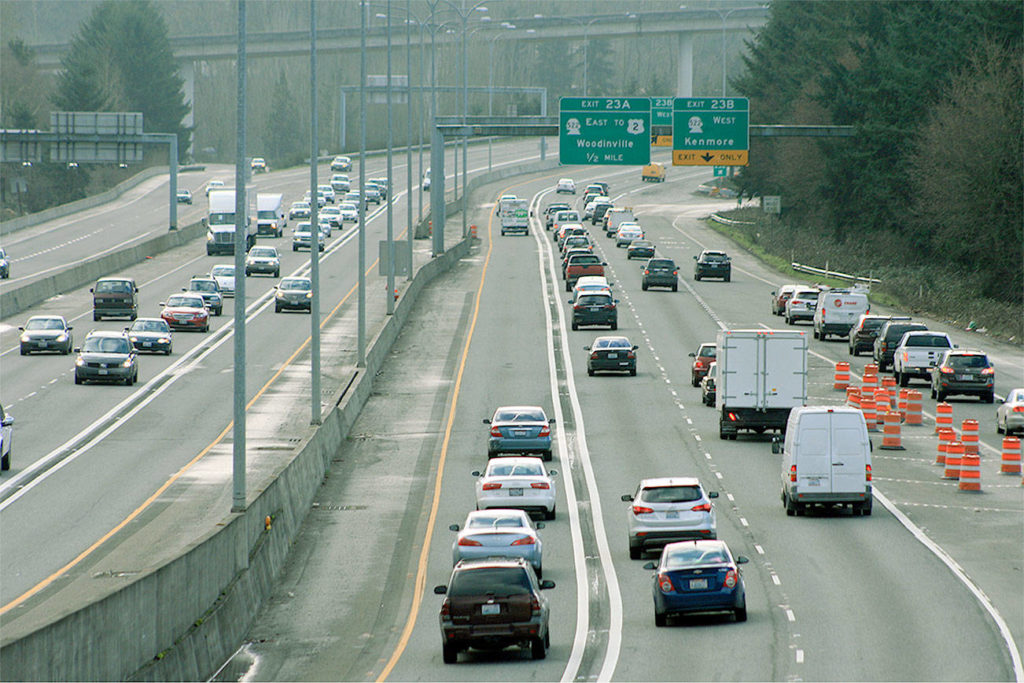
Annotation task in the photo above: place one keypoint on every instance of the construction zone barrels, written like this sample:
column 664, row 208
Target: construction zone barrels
column 1011, row 456
column 970, row 473
column 943, row 416
column 867, row 406
column 891, row 437
column 969, row 436
column 946, row 437
column 914, row 410
column 853, row 397
column 954, row 454
column 842, row 376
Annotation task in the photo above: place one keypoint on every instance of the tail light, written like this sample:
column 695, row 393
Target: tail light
column 576, row 307
column 545, row 431
column 540, row 485
column 446, row 610
column 593, row 355
column 945, row 370
column 792, row 473
column 641, row 510
column 675, row 272
column 495, row 431
column 525, row 540
column 664, row 583
column 491, row 486
column 630, row 354
column 731, row 578
column 732, row 417
column 646, row 272
column 906, row 356
column 867, row 472
column 698, row 364
column 609, row 306
column 988, row 371
column 469, row 541
column 706, row 507
column 1018, row 409
column 534, row 605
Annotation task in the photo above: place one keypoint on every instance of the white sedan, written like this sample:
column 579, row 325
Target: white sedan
column 627, row 233
column 224, row 274
column 1010, row 413
column 349, row 212
column 520, row 483
column 498, row 533
column 566, row 185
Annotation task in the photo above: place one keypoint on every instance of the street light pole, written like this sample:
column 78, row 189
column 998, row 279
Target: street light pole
column 391, row 187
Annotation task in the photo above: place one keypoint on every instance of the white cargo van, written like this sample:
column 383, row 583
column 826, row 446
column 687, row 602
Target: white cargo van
column 826, row 459
column 838, row 310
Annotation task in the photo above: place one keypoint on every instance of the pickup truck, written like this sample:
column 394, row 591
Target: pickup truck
column 580, row 265
column 916, row 354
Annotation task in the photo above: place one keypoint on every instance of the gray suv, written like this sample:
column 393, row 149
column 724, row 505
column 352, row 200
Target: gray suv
column 964, row 372
column 889, row 338
column 660, row 272
column 595, row 309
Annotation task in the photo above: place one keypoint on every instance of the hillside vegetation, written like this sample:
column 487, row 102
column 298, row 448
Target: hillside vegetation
column 928, row 194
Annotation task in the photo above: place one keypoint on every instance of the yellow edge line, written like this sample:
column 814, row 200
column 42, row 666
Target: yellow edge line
column 149, row 501
column 421, row 568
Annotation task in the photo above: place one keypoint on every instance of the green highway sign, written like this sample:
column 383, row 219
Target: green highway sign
column 711, row 131
column 721, row 171
column 661, row 111
column 604, row 130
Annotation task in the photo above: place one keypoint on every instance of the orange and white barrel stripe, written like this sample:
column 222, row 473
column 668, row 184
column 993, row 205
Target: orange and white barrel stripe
column 914, row 409
column 901, row 403
column 889, row 382
column 946, row 437
column 867, row 406
column 853, row 397
column 891, row 437
column 969, row 436
column 970, row 473
column 883, row 401
column 842, row 376
column 954, row 454
column 943, row 416
column 1011, row 456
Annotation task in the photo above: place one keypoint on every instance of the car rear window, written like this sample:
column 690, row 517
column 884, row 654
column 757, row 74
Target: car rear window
column 520, row 470
column 581, row 259
column 707, row 351
column 520, row 416
column 491, row 521
column 715, row 257
column 928, row 340
column 617, row 343
column 972, row 361
column 670, row 494
column 873, row 323
column 896, row 331
column 689, row 557
column 497, row 580
column 661, row 264
column 595, row 300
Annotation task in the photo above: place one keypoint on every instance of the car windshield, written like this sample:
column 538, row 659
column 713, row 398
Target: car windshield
column 346, row 206
column 150, row 326
column 1016, row 396
column 967, row 362
column 670, row 494
column 510, row 470
column 497, row 581
column 297, row 283
column 691, row 557
column 640, row 244
column 223, row 271
column 106, row 345
column 595, row 300
column 612, row 343
column 181, row 301
column 262, row 252
column 707, row 350
column 44, row 324
column 113, row 287
column 491, row 520
column 520, row 415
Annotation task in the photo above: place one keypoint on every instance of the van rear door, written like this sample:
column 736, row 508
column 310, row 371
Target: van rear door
column 813, row 454
column 850, row 451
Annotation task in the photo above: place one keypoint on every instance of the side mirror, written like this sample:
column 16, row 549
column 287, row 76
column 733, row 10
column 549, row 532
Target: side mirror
column 552, row 473
column 586, row 348
column 440, row 590
column 78, row 349
column 539, row 525
column 692, row 355
column 741, row 560
column 635, row 347
column 547, row 584
column 776, row 446
column 476, row 473
column 570, row 301
column 773, row 293
column 90, row 290
column 603, row 263
column 160, row 304
column 453, row 527
column 650, row 565
column 694, row 258
column 551, row 420
column 487, row 421
column 712, row 494
column 203, row 221
column 21, row 329
column 627, row 497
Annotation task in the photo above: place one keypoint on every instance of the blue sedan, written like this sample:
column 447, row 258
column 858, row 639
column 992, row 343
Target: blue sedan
column 697, row 576
column 519, row 429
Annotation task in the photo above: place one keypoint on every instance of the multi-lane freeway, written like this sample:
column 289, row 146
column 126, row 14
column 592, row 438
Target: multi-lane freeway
column 928, row 588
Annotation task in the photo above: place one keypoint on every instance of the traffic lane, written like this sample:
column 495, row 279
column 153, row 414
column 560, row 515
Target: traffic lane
column 506, row 365
column 710, row 433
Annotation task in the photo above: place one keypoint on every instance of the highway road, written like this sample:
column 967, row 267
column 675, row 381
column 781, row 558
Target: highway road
column 830, row 597
column 927, row 588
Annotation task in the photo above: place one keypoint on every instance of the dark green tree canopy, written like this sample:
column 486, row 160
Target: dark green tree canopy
column 121, row 60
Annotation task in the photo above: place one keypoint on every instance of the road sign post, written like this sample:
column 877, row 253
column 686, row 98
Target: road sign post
column 710, row 131
column 604, row 130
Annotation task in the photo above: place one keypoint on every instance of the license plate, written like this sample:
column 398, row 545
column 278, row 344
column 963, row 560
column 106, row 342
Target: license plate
column 515, row 492
column 104, row 372
column 520, row 432
column 814, row 482
column 671, row 514
column 613, row 355
column 490, row 609
column 182, row 317
column 595, row 308
column 964, row 378
column 43, row 344
column 147, row 344
column 698, row 584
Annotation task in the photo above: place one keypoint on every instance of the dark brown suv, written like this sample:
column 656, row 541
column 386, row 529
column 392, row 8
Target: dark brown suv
column 115, row 297
column 864, row 331
column 888, row 339
column 491, row 604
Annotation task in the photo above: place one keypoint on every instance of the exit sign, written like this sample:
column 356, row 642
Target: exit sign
column 710, row 131
column 604, row 130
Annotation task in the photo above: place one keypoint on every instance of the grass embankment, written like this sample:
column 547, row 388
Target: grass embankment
column 916, row 289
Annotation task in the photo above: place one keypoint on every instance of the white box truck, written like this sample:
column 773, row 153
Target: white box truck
column 838, row 310
column 271, row 218
column 826, row 459
column 220, row 223
column 514, row 215
column 762, row 376
column 616, row 216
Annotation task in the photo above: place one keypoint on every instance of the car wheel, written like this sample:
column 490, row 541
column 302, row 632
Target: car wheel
column 696, row 277
column 632, row 372
column 990, row 397
column 882, row 367
column 539, row 571
column 660, row 619
column 590, row 371
column 537, row 649
column 294, row 248
column 635, row 552
column 999, row 430
column 615, row 325
column 568, row 287
column 728, row 278
column 550, row 514
column 902, row 378
column 575, row 326
column 134, row 316
column 95, row 317
column 643, row 286
column 789, row 321
column 207, row 327
column 933, row 392
column 78, row 380
column 449, row 653
column 247, row 273
column 694, row 381
column 547, row 455
column 24, row 351
column 277, row 309
column 741, row 612
column 940, row 396
column 168, row 351
column 675, row 287
column 277, row 273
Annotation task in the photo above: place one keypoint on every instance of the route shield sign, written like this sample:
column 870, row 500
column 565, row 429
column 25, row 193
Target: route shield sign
column 604, row 130
column 710, row 131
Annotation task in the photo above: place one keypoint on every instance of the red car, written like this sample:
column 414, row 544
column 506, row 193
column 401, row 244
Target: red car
column 702, row 360
column 186, row 312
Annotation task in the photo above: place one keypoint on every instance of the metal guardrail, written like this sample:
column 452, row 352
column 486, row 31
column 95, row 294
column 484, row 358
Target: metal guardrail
column 826, row 272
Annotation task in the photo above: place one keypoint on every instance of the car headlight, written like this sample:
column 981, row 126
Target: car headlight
column 127, row 362
column 209, row 237
column 164, row 340
column 79, row 362
column 62, row 337
column 25, row 337
column 279, row 296
column 309, row 295
column 133, row 339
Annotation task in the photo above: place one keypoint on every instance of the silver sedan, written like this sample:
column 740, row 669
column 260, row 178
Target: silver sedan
column 1010, row 413
column 498, row 533
column 517, row 482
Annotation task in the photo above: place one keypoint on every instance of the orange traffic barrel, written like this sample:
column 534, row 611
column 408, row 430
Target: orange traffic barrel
column 1011, row 456
column 913, row 407
column 889, row 382
column 970, row 473
column 867, row 406
column 901, row 403
column 943, row 416
column 954, row 454
column 883, row 401
column 842, row 376
column 871, row 369
column 946, row 437
column 969, row 436
column 853, row 397
column 869, row 380
column 891, row 438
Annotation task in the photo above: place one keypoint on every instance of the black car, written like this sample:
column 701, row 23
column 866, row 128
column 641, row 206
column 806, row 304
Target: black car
column 150, row 334
column 599, row 211
column 595, row 309
column 106, row 357
column 964, row 372
column 640, row 249
column 611, row 354
column 888, row 339
column 207, row 288
column 46, row 333
column 492, row 604
column 712, row 264
column 864, row 331
column 294, row 293
column 660, row 272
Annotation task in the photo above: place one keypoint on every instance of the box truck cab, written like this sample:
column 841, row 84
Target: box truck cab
column 826, row 459
column 271, row 217
column 838, row 310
